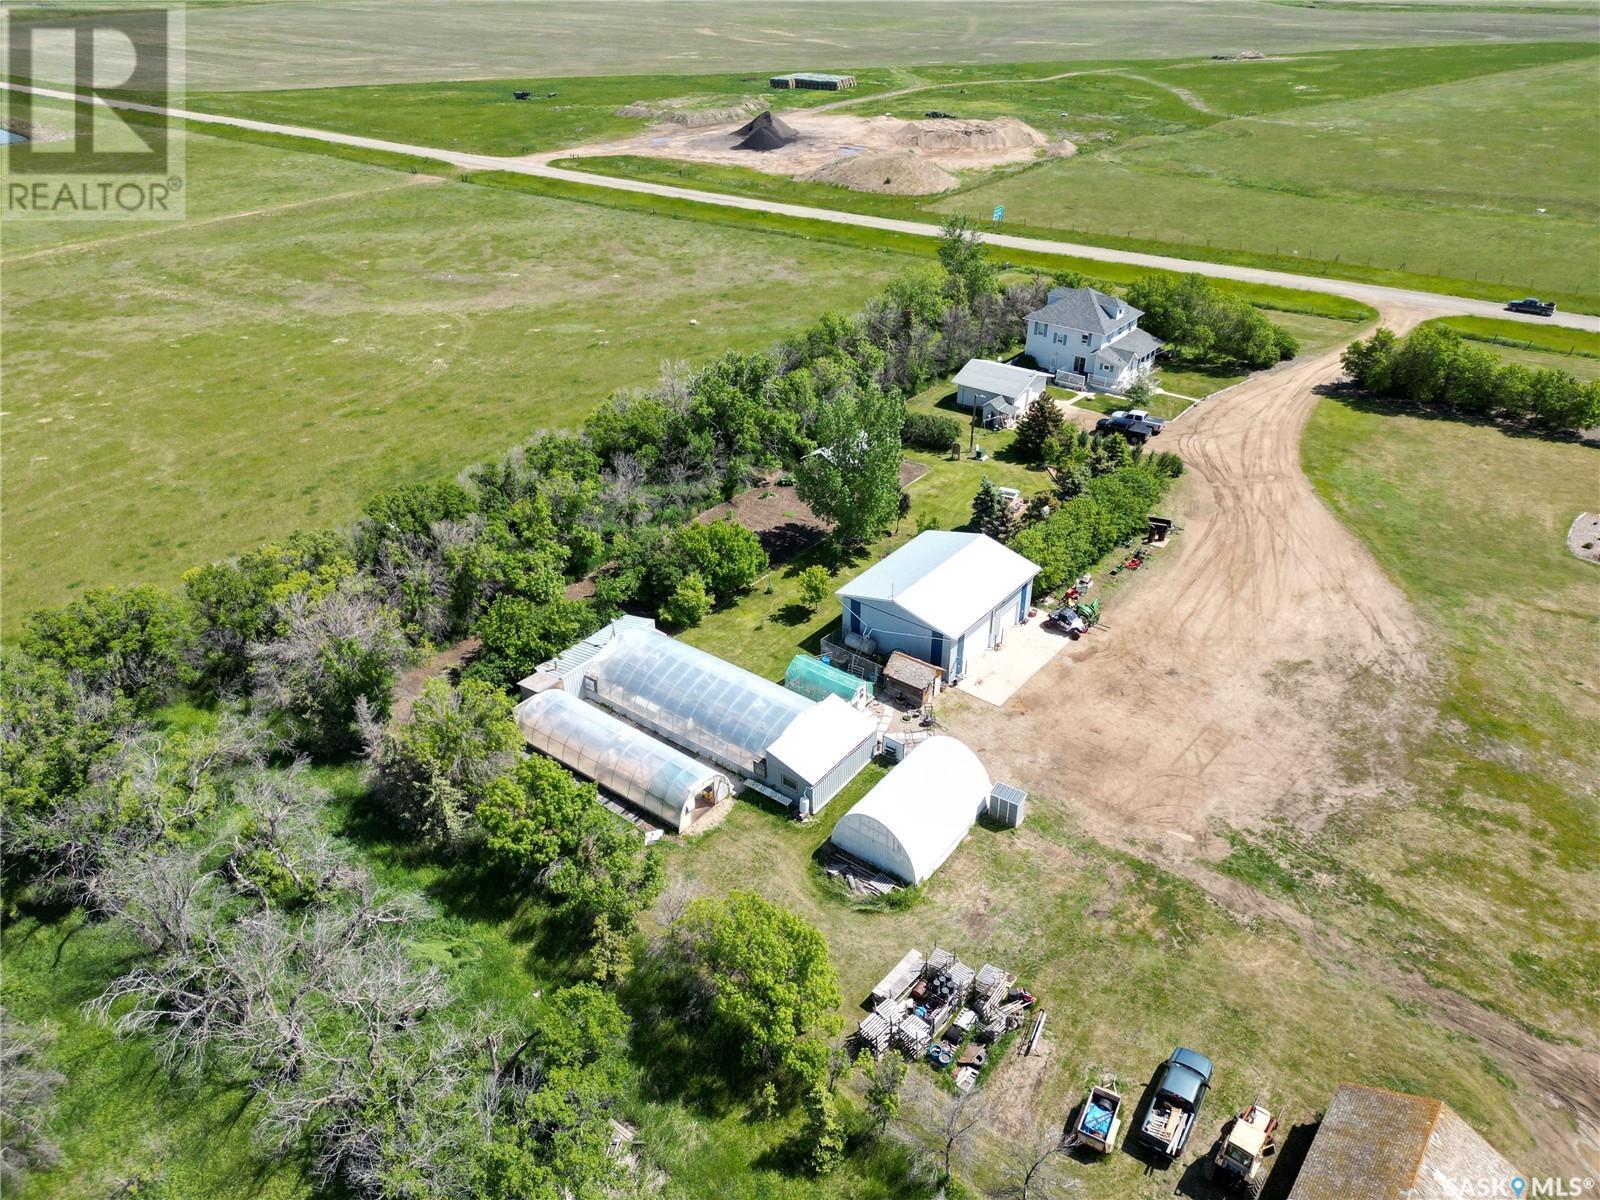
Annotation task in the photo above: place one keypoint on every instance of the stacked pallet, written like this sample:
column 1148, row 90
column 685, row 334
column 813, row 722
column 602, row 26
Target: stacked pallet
column 913, row 1034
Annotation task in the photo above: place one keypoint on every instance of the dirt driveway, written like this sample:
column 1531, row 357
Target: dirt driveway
column 1220, row 683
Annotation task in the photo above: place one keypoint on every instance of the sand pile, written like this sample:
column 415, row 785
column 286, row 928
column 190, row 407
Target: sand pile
column 766, row 132
column 689, row 112
column 956, row 137
column 894, row 173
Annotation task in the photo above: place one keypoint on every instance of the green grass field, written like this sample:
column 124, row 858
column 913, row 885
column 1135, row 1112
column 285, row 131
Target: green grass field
column 1571, row 350
column 324, row 44
column 180, row 393
column 1388, row 166
column 1484, row 876
column 1425, row 170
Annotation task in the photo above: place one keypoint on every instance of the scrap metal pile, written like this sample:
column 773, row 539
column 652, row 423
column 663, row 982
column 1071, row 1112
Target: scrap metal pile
column 941, row 1010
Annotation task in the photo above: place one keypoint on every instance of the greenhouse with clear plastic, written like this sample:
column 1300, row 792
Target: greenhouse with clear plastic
column 652, row 776
column 800, row 751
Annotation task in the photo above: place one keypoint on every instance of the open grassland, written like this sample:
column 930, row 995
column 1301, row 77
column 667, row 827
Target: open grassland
column 320, row 43
column 178, row 393
column 1571, row 350
column 1462, row 167
column 484, row 118
column 1390, row 167
column 1482, row 873
column 1413, row 182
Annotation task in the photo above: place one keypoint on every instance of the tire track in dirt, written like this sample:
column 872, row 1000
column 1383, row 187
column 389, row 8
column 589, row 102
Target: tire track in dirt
column 1189, row 709
column 1194, row 705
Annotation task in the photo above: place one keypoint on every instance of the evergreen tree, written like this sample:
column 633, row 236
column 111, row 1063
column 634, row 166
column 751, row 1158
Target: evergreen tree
column 1039, row 426
column 991, row 513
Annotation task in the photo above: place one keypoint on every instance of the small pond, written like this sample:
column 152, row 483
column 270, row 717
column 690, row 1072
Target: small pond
column 7, row 137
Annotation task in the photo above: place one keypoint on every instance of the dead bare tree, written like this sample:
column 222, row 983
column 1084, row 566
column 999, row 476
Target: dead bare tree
column 27, row 1094
column 148, row 788
column 961, row 1116
column 1034, row 1154
column 281, row 851
column 624, row 488
column 333, row 650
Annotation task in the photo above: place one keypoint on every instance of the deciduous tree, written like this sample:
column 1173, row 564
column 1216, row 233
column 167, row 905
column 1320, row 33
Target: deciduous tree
column 431, row 771
column 132, row 641
column 767, row 973
column 852, row 478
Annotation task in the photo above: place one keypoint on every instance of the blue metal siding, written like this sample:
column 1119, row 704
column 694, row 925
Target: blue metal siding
column 936, row 650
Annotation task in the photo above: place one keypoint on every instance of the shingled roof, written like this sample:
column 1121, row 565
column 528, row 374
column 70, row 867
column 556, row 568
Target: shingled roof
column 1380, row 1145
column 1086, row 308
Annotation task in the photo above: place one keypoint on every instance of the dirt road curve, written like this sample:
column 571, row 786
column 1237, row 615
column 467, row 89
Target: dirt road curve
column 1217, row 688
column 539, row 165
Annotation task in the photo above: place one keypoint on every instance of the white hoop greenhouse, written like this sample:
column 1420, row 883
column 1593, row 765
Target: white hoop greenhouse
column 918, row 813
column 650, row 775
column 695, row 700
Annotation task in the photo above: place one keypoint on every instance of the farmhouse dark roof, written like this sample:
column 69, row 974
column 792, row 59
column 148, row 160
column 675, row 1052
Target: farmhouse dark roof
column 1133, row 345
column 1087, row 309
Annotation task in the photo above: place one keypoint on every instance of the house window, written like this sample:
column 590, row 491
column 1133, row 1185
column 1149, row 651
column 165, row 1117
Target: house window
column 791, row 783
column 1038, row 326
column 1086, row 339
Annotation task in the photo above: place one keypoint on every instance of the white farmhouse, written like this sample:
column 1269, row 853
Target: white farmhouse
column 946, row 598
column 1000, row 393
column 1087, row 333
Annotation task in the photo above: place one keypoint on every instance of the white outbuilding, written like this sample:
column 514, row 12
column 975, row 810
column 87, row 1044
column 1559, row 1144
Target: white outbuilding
column 796, row 749
column 945, row 598
column 918, row 813
column 999, row 392
column 652, row 776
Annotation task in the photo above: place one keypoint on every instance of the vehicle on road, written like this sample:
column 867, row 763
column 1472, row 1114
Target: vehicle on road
column 1533, row 307
column 1239, row 1165
column 1135, row 424
column 1179, row 1089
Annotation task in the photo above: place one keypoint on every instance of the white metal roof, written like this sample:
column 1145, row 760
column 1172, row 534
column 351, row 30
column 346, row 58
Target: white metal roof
column 647, row 773
column 999, row 378
column 821, row 737
column 918, row 813
column 947, row 581
column 700, row 702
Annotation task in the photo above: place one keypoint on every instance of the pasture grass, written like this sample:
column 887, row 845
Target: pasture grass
column 1575, row 351
column 246, row 46
column 481, row 116
column 1229, row 161
column 1484, row 875
column 180, row 393
column 1406, row 184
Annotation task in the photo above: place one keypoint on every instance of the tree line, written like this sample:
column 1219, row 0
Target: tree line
column 269, row 954
column 1435, row 367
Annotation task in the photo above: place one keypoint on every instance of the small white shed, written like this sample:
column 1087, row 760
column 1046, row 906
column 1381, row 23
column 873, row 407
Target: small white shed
column 1001, row 393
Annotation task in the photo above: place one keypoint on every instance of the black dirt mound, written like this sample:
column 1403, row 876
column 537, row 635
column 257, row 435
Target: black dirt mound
column 766, row 132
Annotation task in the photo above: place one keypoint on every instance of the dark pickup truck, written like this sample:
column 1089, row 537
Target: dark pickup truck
column 1537, row 308
column 1179, row 1088
column 1135, row 424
